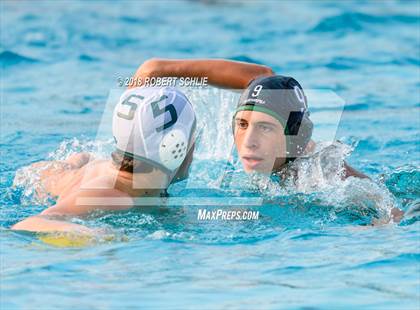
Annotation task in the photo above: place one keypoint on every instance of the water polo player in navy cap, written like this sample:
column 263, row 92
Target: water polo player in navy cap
column 271, row 124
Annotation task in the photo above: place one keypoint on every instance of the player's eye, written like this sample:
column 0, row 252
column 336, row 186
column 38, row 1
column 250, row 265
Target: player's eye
column 265, row 128
column 242, row 124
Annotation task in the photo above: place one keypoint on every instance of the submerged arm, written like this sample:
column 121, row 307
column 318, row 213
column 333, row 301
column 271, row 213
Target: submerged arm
column 221, row 73
column 351, row 172
column 396, row 214
column 41, row 223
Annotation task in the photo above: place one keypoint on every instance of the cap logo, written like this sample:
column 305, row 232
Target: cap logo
column 254, row 101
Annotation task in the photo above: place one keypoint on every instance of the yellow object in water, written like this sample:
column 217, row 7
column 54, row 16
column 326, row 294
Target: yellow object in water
column 67, row 240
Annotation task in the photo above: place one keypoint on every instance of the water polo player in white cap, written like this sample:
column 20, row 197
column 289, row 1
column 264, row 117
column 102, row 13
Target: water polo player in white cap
column 154, row 131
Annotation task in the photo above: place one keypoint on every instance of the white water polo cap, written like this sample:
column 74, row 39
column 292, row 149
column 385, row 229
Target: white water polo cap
column 155, row 125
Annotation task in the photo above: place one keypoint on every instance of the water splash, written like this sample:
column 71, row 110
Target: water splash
column 214, row 109
column 99, row 148
column 318, row 181
column 28, row 179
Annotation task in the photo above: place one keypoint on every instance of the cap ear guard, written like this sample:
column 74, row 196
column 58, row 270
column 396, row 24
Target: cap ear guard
column 173, row 149
column 299, row 136
column 182, row 171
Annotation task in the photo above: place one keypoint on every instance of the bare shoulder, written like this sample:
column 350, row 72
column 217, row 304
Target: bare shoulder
column 97, row 194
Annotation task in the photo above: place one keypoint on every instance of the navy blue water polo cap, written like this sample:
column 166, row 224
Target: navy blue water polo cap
column 283, row 98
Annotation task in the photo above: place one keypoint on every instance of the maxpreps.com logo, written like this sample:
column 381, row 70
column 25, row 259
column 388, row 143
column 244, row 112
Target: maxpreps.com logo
column 232, row 215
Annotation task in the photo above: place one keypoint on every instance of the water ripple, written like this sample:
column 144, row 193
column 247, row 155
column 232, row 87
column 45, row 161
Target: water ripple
column 355, row 21
column 9, row 58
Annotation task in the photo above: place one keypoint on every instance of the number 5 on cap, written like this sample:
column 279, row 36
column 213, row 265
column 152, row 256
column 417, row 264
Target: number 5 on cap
column 158, row 111
column 132, row 105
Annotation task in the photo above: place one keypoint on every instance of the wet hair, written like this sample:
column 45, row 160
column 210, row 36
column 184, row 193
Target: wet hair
column 129, row 164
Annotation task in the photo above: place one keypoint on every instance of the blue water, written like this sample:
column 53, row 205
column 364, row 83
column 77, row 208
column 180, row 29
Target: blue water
column 310, row 249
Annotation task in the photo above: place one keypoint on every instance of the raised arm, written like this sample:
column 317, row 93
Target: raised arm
column 220, row 73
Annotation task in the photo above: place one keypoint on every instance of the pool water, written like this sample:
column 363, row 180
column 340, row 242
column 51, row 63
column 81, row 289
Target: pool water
column 313, row 246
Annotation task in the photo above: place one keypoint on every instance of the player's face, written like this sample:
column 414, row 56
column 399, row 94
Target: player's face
column 260, row 141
